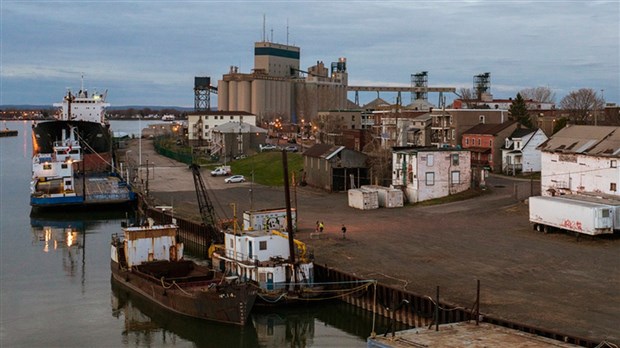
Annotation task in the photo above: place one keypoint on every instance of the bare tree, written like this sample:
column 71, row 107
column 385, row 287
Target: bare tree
column 582, row 105
column 539, row 94
column 465, row 93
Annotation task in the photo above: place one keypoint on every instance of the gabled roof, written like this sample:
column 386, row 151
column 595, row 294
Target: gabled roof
column 489, row 128
column 238, row 127
column 325, row 151
column 521, row 132
column 378, row 102
column 587, row 140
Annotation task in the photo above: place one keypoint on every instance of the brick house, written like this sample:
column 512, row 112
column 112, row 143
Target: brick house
column 581, row 159
column 428, row 173
column 485, row 141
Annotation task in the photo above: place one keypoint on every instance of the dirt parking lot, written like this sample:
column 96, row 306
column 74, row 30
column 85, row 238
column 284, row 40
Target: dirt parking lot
column 552, row 281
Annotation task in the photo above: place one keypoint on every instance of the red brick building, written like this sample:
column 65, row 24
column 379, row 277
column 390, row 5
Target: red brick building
column 485, row 142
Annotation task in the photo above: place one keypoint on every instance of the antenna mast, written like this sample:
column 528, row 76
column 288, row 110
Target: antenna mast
column 287, row 31
column 264, row 27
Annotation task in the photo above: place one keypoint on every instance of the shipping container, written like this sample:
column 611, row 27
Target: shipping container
column 268, row 219
column 388, row 197
column 363, row 199
column 578, row 216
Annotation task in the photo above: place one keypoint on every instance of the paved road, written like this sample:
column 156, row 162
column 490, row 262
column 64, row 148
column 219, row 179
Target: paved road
column 553, row 281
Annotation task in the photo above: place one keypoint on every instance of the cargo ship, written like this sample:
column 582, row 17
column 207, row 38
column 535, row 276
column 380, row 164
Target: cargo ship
column 72, row 161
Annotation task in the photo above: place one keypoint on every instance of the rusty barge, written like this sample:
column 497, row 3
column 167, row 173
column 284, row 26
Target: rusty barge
column 147, row 260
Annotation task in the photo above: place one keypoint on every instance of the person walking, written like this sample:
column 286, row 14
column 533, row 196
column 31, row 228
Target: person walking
column 344, row 231
column 316, row 229
column 321, row 226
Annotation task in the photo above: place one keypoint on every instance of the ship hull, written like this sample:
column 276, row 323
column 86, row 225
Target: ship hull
column 202, row 297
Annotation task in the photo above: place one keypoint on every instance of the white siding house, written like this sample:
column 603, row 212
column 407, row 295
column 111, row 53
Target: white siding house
column 428, row 173
column 200, row 126
column 581, row 159
column 520, row 153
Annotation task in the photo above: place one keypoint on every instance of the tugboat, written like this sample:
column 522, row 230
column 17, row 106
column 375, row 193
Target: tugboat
column 263, row 257
column 148, row 261
column 72, row 156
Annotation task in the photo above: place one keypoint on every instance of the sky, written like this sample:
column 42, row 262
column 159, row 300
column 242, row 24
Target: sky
column 148, row 52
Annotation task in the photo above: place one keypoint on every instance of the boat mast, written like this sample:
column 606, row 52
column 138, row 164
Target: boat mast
column 289, row 219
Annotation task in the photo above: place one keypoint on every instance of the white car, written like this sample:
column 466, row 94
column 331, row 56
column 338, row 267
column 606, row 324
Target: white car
column 220, row 172
column 234, row 179
column 267, row 147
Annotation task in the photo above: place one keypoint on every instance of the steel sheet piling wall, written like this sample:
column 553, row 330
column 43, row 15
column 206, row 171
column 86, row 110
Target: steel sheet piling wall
column 418, row 311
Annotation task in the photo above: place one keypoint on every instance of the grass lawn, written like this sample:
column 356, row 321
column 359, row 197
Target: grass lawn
column 267, row 167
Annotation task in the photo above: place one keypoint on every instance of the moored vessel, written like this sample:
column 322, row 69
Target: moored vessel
column 264, row 257
column 72, row 161
column 6, row 132
column 148, row 261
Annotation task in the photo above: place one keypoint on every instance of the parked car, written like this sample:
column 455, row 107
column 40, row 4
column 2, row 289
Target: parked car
column 234, row 179
column 242, row 156
column 267, row 147
column 291, row 148
column 221, row 171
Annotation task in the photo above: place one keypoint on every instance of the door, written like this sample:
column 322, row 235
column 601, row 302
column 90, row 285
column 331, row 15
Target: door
column 270, row 281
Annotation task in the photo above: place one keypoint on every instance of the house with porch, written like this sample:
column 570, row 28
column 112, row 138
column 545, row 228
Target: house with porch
column 431, row 172
column 485, row 142
column 520, row 153
column 581, row 159
column 334, row 168
column 235, row 138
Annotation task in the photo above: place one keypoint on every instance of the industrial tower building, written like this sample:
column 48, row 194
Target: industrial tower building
column 275, row 88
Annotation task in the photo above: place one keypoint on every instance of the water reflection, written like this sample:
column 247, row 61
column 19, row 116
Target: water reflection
column 146, row 324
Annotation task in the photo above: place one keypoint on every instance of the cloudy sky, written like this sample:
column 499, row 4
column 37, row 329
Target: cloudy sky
column 148, row 52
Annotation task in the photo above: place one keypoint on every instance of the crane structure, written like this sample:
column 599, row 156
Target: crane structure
column 207, row 212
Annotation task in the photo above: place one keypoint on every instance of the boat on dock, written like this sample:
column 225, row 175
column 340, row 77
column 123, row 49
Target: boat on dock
column 72, row 161
column 148, row 261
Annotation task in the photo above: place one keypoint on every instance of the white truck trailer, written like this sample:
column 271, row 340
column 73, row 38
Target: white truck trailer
column 573, row 215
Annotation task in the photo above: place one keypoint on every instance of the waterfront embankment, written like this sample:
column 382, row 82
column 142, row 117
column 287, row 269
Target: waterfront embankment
column 551, row 281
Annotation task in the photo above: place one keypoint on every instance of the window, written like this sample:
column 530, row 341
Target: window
column 466, row 141
column 479, row 141
column 262, row 245
column 64, row 166
column 429, row 160
column 612, row 186
column 430, row 178
column 490, row 142
column 47, row 166
column 481, row 119
column 455, row 177
column 455, row 159
column 614, row 163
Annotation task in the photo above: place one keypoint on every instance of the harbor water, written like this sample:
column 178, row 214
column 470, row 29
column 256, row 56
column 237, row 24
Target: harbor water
column 56, row 289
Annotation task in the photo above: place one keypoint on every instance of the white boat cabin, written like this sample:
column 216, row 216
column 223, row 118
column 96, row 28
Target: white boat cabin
column 58, row 166
column 147, row 244
column 263, row 256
